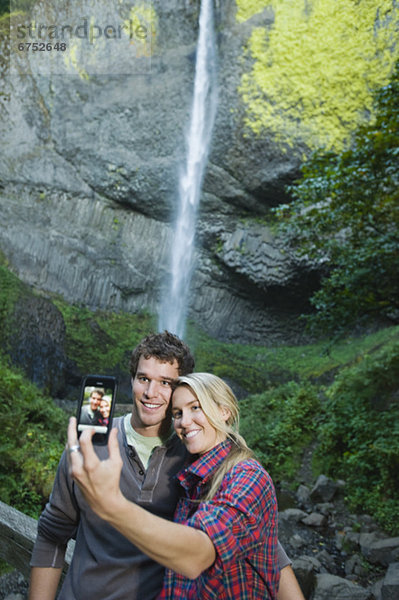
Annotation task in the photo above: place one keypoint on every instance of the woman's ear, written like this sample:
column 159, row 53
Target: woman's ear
column 225, row 413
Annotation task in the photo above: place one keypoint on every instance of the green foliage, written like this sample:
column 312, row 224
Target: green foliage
column 102, row 341
column 345, row 214
column 5, row 568
column 279, row 424
column 32, row 435
column 359, row 434
column 256, row 368
column 4, row 7
column 11, row 289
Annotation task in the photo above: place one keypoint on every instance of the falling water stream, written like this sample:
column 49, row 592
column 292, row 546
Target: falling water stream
column 173, row 309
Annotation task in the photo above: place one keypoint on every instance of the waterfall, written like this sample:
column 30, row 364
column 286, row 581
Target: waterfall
column 173, row 310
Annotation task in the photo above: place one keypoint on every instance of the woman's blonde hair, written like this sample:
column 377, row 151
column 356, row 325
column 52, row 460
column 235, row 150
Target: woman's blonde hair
column 217, row 399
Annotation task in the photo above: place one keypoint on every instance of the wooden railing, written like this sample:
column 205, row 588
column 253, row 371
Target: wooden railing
column 17, row 536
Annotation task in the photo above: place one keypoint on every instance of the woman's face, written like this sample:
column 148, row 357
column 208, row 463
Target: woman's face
column 104, row 409
column 191, row 424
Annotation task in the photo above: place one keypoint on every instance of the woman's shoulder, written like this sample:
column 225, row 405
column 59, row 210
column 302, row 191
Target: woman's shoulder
column 249, row 467
column 249, row 484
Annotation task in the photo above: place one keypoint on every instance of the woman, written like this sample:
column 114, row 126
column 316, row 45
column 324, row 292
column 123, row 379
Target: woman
column 105, row 409
column 223, row 543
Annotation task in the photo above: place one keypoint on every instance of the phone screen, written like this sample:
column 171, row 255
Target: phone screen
column 96, row 406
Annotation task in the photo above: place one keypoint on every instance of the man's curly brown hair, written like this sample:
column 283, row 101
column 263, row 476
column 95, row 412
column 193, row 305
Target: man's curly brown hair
column 165, row 347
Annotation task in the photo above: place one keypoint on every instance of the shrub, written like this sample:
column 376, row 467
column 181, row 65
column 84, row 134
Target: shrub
column 359, row 434
column 279, row 424
column 32, row 436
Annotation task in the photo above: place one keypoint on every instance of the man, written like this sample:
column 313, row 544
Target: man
column 105, row 564
column 90, row 413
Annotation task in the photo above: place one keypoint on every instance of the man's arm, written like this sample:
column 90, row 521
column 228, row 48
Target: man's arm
column 183, row 549
column 289, row 587
column 43, row 583
column 57, row 524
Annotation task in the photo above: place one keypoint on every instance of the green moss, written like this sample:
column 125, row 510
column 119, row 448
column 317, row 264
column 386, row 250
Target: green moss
column 11, row 288
column 5, row 568
column 314, row 69
column 248, row 8
column 102, row 341
column 71, row 59
column 144, row 19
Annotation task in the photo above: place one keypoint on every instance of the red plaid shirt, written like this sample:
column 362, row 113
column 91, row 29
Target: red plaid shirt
column 241, row 520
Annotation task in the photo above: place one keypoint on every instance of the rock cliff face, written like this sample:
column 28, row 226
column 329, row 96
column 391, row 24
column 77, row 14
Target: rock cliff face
column 89, row 169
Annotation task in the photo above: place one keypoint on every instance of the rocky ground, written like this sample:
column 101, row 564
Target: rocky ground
column 336, row 555
column 13, row 586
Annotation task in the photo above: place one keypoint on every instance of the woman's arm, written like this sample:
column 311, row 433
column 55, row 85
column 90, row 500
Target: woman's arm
column 184, row 549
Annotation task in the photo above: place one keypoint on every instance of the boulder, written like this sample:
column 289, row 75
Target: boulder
column 303, row 496
column 327, row 561
column 296, row 541
column 304, row 569
column 315, row 520
column 36, row 342
column 351, row 540
column 379, row 551
column 376, row 589
column 290, row 527
column 293, row 515
column 325, row 508
column 332, row 587
column 354, row 566
column 390, row 585
column 324, row 489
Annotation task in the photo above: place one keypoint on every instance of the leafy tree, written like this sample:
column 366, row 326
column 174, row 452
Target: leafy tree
column 345, row 215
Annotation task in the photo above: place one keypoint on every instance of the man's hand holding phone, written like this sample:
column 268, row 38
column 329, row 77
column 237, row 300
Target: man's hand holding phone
column 98, row 479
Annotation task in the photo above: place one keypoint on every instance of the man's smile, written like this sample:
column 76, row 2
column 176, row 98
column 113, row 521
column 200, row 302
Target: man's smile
column 150, row 405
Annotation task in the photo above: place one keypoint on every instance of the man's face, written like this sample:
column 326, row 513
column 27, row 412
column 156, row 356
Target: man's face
column 95, row 400
column 152, row 390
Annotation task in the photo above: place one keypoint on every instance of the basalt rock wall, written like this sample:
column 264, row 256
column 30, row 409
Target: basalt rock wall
column 89, row 171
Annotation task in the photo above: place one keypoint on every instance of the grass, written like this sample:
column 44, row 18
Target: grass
column 256, row 367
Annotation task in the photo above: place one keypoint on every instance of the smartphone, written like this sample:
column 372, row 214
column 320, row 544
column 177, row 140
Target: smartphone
column 96, row 406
